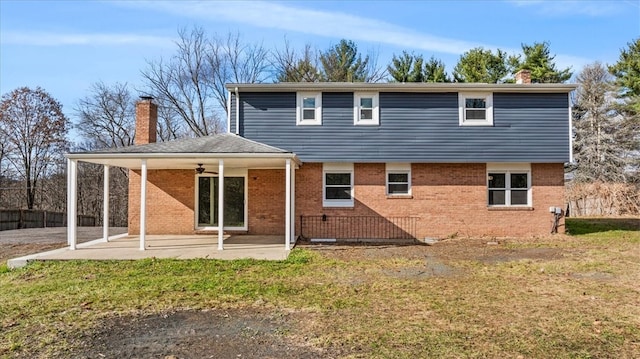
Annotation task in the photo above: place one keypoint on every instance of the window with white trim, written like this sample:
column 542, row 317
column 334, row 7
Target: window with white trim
column 398, row 179
column 365, row 109
column 509, row 187
column 309, row 108
column 337, row 185
column 475, row 109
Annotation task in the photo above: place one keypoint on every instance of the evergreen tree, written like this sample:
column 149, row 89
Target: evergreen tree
column 412, row 68
column 480, row 65
column 406, row 68
column 538, row 60
column 598, row 155
column 627, row 79
column 343, row 63
column 434, row 71
column 627, row 70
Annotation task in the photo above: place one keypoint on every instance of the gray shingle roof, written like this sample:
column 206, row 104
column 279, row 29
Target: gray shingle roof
column 220, row 143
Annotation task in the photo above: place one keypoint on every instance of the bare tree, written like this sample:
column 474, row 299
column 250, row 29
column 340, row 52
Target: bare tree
column 232, row 60
column 598, row 155
column 375, row 73
column 35, row 127
column 291, row 66
column 4, row 173
column 190, row 85
column 107, row 115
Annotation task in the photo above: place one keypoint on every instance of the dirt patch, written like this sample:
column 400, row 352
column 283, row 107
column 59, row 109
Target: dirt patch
column 237, row 333
column 507, row 255
column 597, row 276
column 437, row 256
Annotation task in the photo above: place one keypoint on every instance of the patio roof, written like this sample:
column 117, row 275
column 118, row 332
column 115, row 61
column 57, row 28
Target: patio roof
column 217, row 152
column 237, row 151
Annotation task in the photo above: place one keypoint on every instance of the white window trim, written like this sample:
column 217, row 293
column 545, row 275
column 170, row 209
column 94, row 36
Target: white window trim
column 227, row 173
column 507, row 169
column 398, row 168
column 375, row 117
column 336, row 168
column 299, row 118
column 488, row 96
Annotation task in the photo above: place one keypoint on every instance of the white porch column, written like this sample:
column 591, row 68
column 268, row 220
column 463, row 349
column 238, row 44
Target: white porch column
column 143, row 203
column 293, row 204
column 72, row 203
column 287, row 207
column 105, row 205
column 220, row 204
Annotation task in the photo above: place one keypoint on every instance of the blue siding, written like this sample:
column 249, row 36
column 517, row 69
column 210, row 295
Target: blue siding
column 414, row 127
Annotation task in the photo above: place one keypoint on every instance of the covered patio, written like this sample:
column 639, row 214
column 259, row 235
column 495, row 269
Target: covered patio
column 125, row 247
column 180, row 167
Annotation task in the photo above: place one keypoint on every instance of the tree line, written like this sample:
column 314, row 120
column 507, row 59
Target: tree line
column 189, row 89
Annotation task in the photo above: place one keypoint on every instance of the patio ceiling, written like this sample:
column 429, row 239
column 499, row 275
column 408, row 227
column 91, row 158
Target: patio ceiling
column 188, row 160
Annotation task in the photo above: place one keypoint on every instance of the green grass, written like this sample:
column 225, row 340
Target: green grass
column 600, row 226
column 584, row 304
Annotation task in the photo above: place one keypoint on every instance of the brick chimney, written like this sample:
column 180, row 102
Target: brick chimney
column 523, row 77
column 146, row 121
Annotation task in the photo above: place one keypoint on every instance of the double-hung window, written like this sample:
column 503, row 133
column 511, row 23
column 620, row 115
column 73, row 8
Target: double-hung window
column 509, row 187
column 309, row 108
column 398, row 179
column 337, row 189
column 365, row 108
column 475, row 109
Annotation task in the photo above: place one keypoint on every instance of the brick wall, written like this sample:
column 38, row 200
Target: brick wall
column 449, row 199
column 266, row 201
column 170, row 202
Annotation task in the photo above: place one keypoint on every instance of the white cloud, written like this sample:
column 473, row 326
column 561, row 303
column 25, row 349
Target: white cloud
column 64, row 39
column 326, row 23
column 571, row 7
column 315, row 22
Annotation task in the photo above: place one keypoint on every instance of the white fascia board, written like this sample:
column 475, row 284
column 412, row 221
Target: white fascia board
column 402, row 87
column 98, row 156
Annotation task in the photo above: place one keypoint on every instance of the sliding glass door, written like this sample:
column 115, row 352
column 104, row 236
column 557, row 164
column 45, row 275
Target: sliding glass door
column 234, row 197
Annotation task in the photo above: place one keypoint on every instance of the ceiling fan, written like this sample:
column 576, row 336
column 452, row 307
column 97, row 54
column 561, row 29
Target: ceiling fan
column 200, row 170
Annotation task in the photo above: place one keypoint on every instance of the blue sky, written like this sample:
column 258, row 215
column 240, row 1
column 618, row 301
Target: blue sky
column 65, row 46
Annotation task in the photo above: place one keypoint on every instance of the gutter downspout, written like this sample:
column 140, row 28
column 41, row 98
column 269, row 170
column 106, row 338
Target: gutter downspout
column 570, row 130
column 237, row 111
column 228, row 111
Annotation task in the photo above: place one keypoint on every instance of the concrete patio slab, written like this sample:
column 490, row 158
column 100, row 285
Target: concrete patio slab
column 125, row 247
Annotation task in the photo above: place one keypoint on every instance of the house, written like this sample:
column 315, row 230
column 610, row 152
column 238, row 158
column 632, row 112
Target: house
column 356, row 161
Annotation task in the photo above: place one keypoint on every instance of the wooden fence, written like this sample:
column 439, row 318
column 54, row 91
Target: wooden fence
column 23, row 218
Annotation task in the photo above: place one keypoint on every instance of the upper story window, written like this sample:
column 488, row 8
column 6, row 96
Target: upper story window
column 337, row 189
column 509, row 185
column 365, row 109
column 476, row 108
column 398, row 179
column 309, row 108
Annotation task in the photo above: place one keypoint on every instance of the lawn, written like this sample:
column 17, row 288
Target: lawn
column 563, row 296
